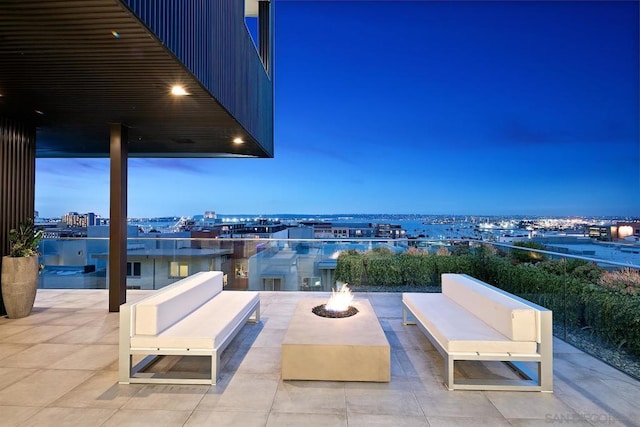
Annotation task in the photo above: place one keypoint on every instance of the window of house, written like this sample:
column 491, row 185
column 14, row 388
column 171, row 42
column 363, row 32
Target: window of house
column 242, row 268
column 178, row 269
column 134, row 269
column 310, row 283
column 271, row 284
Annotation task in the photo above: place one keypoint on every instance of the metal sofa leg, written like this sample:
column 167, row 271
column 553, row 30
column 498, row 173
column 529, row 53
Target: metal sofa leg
column 405, row 318
column 215, row 363
column 256, row 315
column 545, row 367
column 449, row 370
column 125, row 359
column 124, row 369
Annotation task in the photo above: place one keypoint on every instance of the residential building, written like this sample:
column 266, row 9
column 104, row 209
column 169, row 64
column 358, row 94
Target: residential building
column 74, row 219
column 263, row 228
column 156, row 267
column 606, row 233
column 628, row 229
column 347, row 230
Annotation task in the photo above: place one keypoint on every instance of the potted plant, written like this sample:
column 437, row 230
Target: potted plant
column 20, row 270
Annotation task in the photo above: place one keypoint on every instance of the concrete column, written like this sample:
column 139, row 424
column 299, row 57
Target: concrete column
column 119, row 153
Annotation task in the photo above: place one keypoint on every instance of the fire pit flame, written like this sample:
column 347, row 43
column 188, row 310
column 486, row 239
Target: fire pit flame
column 338, row 305
column 340, row 300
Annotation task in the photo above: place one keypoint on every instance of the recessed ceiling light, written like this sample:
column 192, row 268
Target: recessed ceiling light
column 178, row 90
column 238, row 141
column 39, row 112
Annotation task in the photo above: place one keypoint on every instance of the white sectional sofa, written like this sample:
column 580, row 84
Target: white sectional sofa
column 192, row 317
column 472, row 320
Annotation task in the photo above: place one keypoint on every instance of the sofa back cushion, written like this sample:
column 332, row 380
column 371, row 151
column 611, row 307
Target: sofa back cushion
column 172, row 303
column 512, row 318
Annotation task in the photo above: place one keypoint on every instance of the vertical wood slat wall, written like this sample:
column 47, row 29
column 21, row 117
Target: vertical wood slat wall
column 211, row 39
column 17, row 178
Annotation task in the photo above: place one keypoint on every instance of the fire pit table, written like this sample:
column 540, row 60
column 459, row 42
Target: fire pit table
column 335, row 349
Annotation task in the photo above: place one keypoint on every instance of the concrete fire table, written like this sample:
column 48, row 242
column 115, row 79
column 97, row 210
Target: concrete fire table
column 335, row 349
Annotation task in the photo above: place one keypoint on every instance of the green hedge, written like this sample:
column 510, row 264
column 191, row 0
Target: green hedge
column 417, row 269
column 569, row 291
column 350, row 268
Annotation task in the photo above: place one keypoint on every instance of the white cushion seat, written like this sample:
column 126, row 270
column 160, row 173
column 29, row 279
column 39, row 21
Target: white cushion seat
column 171, row 304
column 459, row 331
column 514, row 319
column 205, row 328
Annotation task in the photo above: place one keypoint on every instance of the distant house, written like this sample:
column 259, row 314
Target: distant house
column 605, row 233
column 347, row 230
column 295, row 267
column 628, row 229
column 151, row 268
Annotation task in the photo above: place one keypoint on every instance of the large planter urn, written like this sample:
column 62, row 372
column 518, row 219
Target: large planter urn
column 19, row 283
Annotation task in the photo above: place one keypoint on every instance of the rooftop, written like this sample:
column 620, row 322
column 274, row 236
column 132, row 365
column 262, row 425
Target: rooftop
column 59, row 367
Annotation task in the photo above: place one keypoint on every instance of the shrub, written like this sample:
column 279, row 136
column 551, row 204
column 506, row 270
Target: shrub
column 443, row 251
column 611, row 316
column 412, row 251
column 461, row 250
column 383, row 271
column 582, row 296
column 379, row 251
column 580, row 269
column 527, row 256
column 23, row 241
column 417, row 268
column 625, row 280
column 587, row 272
column 350, row 268
column 555, row 266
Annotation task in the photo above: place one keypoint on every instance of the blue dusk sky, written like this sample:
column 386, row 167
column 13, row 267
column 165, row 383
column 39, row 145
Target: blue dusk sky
column 417, row 107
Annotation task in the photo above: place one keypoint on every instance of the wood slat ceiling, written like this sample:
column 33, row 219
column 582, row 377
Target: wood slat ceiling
column 61, row 65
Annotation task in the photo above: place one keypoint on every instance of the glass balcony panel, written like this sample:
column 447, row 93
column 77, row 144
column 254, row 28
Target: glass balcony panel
column 595, row 302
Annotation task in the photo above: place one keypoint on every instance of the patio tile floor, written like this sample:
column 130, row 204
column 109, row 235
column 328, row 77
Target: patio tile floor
column 59, row 367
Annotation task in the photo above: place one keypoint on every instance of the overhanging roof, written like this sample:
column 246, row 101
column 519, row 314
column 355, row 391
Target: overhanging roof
column 73, row 67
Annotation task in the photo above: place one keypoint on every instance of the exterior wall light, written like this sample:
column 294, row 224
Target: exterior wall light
column 178, row 90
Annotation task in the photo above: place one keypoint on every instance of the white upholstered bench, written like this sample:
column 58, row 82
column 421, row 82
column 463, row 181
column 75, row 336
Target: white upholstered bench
column 472, row 320
column 192, row 317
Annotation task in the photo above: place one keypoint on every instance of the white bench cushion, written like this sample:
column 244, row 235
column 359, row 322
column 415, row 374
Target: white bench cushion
column 161, row 310
column 207, row 327
column 459, row 331
column 512, row 318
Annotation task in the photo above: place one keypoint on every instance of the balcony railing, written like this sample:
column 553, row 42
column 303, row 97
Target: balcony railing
column 595, row 302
